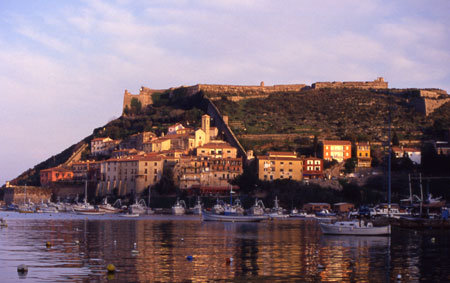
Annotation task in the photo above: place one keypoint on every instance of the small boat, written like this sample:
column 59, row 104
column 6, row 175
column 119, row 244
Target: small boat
column 197, row 209
column 94, row 211
column 138, row 208
column 354, row 228
column 26, row 209
column 108, row 208
column 325, row 213
column 179, row 208
column 277, row 211
column 208, row 216
column 257, row 208
column 129, row 215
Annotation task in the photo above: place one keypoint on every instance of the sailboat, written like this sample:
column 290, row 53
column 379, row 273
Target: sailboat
column 85, row 208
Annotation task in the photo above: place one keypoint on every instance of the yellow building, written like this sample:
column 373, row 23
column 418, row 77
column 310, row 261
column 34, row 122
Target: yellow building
column 217, row 149
column 280, row 165
column 157, row 145
column 131, row 174
column 363, row 155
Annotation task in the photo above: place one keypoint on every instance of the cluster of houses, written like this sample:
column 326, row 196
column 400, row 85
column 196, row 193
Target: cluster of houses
column 198, row 159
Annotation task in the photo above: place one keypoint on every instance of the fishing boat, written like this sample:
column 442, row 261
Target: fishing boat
column 219, row 207
column 138, row 208
column 197, row 209
column 277, row 211
column 354, row 228
column 108, row 208
column 86, row 208
column 209, row 216
column 129, row 215
column 179, row 208
column 257, row 208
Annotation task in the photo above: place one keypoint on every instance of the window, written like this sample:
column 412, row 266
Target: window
column 271, row 177
column 281, row 170
column 156, row 171
column 290, row 170
column 265, row 177
column 282, row 163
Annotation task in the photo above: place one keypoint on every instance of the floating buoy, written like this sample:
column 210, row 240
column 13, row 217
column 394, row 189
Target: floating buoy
column 399, row 277
column 190, row 258
column 134, row 250
column 22, row 268
column 48, row 244
column 115, row 242
column 433, row 240
column 81, row 253
column 77, row 242
column 319, row 266
column 182, row 239
column 111, row 268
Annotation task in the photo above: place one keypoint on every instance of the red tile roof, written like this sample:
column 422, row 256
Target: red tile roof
column 336, row 142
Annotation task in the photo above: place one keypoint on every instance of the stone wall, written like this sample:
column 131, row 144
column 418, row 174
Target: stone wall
column 240, row 90
column 144, row 96
column 379, row 83
column 17, row 194
column 224, row 128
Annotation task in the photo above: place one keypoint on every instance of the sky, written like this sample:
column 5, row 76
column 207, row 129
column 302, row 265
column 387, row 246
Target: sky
column 64, row 65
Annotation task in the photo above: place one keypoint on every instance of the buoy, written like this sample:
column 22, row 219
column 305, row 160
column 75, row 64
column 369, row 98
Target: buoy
column 319, row 266
column 77, row 242
column 399, row 277
column 48, row 244
column 81, row 253
column 134, row 250
column 433, row 240
column 22, row 268
column 115, row 242
column 229, row 260
column 111, row 268
column 182, row 239
column 190, row 258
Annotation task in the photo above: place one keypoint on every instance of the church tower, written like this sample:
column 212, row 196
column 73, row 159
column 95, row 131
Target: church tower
column 206, row 120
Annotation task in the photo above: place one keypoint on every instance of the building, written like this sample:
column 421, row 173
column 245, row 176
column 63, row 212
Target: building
column 343, row 207
column 55, row 174
column 217, row 149
column 103, row 146
column 363, row 155
column 442, row 147
column 183, row 142
column 175, row 128
column 413, row 154
column 206, row 173
column 316, row 206
column 131, row 175
column 157, row 145
column 312, row 168
column 280, row 165
column 338, row 150
column 89, row 169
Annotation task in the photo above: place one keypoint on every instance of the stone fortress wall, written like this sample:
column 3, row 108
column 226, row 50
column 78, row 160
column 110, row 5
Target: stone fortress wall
column 425, row 102
column 379, row 83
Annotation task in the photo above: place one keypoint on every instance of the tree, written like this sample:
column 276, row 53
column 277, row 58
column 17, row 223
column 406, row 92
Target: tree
column 350, row 165
column 136, row 106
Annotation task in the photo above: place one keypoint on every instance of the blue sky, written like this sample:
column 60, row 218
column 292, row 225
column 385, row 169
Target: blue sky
column 64, row 65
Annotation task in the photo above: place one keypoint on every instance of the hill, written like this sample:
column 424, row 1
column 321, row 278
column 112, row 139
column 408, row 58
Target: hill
column 283, row 120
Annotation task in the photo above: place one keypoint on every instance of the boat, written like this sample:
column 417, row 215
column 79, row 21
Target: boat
column 3, row 223
column 209, row 216
column 354, row 228
column 219, row 207
column 295, row 213
column 108, row 208
column 325, row 213
column 257, row 208
column 94, row 211
column 179, row 208
column 138, row 208
column 86, row 208
column 129, row 215
column 197, row 209
column 277, row 211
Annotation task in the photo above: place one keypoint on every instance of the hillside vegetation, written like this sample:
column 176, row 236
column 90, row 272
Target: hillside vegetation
column 354, row 114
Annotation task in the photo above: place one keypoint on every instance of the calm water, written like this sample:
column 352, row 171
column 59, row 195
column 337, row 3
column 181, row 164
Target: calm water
column 275, row 251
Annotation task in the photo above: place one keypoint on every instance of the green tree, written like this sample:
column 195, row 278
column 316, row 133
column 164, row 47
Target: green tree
column 136, row 106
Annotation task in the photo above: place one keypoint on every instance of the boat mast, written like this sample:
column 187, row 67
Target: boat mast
column 148, row 202
column 85, row 192
column 410, row 190
column 389, row 166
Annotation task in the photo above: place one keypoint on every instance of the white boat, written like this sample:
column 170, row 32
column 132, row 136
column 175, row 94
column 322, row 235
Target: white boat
column 129, row 215
column 325, row 213
column 108, row 208
column 257, row 208
column 179, row 208
column 277, row 211
column 94, row 211
column 138, row 208
column 219, row 207
column 197, row 209
column 208, row 216
column 354, row 228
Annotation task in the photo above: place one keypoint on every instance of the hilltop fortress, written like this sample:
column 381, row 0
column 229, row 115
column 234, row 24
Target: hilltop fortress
column 424, row 100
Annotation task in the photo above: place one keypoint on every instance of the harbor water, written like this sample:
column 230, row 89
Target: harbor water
column 185, row 249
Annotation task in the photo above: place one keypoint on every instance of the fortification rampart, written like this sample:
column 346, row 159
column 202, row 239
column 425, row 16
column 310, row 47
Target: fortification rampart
column 244, row 90
column 144, row 96
column 379, row 83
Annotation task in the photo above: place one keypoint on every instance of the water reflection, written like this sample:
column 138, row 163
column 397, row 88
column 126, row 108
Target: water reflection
column 276, row 251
